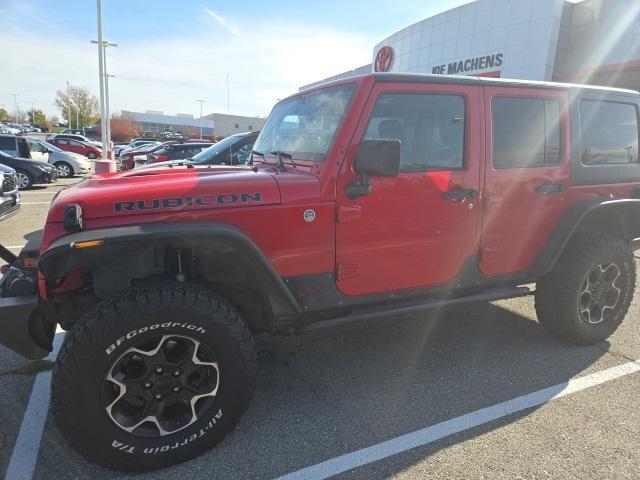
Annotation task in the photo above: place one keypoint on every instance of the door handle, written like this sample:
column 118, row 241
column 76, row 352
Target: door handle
column 553, row 188
column 461, row 194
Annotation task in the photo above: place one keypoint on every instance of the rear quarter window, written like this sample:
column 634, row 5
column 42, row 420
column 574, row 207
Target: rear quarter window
column 526, row 132
column 608, row 133
column 7, row 143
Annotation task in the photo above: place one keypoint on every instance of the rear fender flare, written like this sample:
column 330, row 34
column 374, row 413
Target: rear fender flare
column 625, row 213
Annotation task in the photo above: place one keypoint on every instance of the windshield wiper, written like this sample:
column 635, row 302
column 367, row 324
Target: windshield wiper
column 281, row 155
column 255, row 152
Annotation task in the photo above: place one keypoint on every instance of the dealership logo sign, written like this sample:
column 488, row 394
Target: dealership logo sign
column 384, row 59
column 469, row 64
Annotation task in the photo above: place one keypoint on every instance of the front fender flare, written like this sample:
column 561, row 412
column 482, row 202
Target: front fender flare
column 142, row 242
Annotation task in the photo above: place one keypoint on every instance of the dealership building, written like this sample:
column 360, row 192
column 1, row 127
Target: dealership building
column 221, row 124
column 589, row 41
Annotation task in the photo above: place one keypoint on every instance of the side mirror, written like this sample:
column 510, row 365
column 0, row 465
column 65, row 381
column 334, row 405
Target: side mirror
column 374, row 158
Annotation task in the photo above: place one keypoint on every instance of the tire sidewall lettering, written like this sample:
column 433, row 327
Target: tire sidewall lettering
column 174, row 327
column 126, row 447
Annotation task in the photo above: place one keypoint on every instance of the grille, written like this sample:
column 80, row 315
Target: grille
column 9, row 183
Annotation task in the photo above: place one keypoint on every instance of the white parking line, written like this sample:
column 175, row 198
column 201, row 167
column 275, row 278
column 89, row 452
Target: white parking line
column 25, row 451
column 14, row 247
column 36, row 203
column 447, row 428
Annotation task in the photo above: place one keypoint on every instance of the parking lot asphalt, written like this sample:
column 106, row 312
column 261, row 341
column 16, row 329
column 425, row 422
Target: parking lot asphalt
column 326, row 394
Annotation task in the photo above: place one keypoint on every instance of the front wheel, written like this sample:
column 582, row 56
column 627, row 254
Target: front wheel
column 92, row 155
column 64, row 169
column 24, row 180
column 587, row 295
column 153, row 377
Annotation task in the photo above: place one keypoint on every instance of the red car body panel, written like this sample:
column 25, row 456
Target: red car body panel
column 404, row 235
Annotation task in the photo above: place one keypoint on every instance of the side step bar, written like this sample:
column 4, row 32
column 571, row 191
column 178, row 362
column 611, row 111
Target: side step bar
column 489, row 296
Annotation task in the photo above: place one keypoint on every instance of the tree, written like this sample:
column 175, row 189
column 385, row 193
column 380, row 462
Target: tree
column 4, row 115
column 83, row 103
column 36, row 116
column 123, row 128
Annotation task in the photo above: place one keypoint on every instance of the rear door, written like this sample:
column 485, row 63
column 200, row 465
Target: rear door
column 77, row 147
column 527, row 174
column 417, row 229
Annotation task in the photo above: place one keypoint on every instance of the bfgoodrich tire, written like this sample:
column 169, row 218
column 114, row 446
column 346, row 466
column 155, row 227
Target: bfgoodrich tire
column 152, row 377
column 588, row 293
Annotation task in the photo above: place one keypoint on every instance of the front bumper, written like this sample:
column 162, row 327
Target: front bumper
column 47, row 177
column 15, row 325
column 9, row 205
column 23, row 315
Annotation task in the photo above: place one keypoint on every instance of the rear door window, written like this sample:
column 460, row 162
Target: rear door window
column 609, row 133
column 8, row 144
column 526, row 132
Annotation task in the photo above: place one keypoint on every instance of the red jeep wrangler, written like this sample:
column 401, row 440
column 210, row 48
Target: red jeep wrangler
column 370, row 196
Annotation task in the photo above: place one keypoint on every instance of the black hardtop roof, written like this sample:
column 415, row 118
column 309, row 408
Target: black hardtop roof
column 487, row 81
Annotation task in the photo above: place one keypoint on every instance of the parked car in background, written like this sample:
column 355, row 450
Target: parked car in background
column 67, row 164
column 42, row 128
column 118, row 147
column 135, row 144
column 15, row 146
column 127, row 156
column 175, row 151
column 9, row 195
column 71, row 136
column 8, row 129
column 29, row 172
column 77, row 146
column 233, row 150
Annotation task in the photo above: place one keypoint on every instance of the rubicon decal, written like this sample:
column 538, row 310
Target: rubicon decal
column 182, row 202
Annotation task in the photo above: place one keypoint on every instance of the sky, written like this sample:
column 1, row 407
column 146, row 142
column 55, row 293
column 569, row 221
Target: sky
column 171, row 53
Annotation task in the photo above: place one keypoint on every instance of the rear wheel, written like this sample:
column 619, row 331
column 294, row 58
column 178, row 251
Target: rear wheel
column 24, row 180
column 153, row 377
column 92, row 155
column 588, row 293
column 64, row 169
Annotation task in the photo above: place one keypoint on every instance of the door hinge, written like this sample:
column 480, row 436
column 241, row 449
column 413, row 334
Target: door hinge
column 347, row 270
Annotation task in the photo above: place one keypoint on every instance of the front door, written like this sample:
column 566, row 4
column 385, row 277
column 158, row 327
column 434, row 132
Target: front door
column 417, row 229
column 527, row 152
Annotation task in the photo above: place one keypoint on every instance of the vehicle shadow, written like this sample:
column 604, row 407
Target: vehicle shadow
column 329, row 393
column 32, row 240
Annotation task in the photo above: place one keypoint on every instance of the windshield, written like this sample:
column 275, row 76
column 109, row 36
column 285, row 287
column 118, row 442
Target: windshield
column 51, row 147
column 304, row 126
column 216, row 148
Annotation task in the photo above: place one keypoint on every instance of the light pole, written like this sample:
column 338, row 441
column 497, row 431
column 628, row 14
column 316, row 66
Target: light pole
column 103, row 128
column 69, row 104
column 15, row 104
column 201, row 102
column 33, row 113
column 77, row 105
column 105, row 75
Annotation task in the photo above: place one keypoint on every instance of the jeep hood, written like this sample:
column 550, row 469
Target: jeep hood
column 166, row 190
